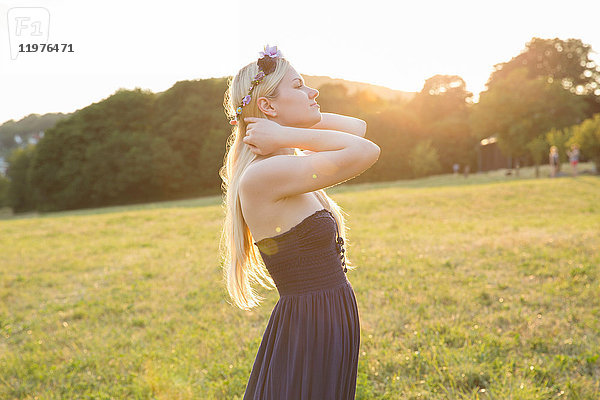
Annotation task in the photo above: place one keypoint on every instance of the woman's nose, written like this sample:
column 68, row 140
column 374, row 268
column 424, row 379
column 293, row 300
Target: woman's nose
column 314, row 93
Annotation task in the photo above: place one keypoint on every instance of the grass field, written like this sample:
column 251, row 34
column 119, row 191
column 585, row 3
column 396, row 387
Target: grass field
column 477, row 288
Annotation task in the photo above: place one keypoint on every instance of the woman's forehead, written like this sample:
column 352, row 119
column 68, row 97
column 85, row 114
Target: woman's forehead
column 292, row 74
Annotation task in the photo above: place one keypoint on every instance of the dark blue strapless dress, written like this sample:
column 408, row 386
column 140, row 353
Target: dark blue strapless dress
column 310, row 346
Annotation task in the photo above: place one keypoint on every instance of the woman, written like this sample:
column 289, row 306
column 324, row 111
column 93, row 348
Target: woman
column 277, row 212
column 574, row 158
column 554, row 161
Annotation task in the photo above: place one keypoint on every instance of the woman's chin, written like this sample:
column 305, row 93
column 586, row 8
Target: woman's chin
column 317, row 119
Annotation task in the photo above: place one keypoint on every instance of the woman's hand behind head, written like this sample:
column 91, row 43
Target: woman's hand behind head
column 262, row 135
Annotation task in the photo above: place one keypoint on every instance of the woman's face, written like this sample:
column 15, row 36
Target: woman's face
column 294, row 106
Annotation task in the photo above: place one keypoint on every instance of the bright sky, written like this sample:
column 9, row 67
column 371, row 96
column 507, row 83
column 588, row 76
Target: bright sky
column 152, row 44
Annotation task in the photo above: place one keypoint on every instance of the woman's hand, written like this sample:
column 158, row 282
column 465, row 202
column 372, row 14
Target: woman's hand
column 262, row 135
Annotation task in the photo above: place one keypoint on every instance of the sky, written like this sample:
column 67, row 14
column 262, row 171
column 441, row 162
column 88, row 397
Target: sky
column 153, row 44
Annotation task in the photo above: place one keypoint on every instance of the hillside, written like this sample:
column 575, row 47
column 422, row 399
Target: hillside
column 381, row 91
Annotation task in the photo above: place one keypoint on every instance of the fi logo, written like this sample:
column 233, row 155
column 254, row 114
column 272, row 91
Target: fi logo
column 27, row 25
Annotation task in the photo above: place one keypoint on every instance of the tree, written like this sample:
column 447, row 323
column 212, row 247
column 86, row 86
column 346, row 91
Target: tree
column 61, row 175
column 587, row 135
column 19, row 194
column 517, row 110
column 565, row 61
column 442, row 106
column 334, row 97
column 395, row 130
column 26, row 126
column 4, row 187
column 538, row 148
column 442, row 96
column 424, row 159
column 367, row 102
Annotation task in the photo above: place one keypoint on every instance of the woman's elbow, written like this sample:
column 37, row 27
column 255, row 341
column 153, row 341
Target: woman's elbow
column 363, row 128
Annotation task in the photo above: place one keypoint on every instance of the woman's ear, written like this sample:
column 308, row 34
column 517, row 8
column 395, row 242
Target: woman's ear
column 265, row 106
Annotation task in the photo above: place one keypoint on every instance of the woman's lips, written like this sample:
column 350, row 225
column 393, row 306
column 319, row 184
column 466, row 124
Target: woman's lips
column 315, row 105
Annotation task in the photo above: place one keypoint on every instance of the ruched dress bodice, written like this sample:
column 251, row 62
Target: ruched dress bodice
column 307, row 257
column 310, row 347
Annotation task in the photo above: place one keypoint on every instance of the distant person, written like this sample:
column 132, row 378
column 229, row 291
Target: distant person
column 553, row 161
column 574, row 157
column 466, row 170
column 456, row 168
column 282, row 230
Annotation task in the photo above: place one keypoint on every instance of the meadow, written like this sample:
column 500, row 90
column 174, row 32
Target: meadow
column 484, row 287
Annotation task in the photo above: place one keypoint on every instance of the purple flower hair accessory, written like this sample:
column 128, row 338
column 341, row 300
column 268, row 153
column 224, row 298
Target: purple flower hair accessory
column 271, row 52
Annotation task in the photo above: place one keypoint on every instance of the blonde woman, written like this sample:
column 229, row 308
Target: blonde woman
column 281, row 156
column 553, row 161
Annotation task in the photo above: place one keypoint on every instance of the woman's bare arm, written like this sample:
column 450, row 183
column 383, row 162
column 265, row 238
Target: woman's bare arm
column 338, row 122
column 344, row 123
column 338, row 156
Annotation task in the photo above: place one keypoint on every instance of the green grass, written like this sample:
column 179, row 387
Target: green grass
column 478, row 288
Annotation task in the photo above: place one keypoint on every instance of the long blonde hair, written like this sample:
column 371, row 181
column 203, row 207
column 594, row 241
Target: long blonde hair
column 240, row 258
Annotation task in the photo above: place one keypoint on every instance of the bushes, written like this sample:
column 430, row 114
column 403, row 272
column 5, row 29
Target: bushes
column 19, row 194
column 587, row 135
column 424, row 159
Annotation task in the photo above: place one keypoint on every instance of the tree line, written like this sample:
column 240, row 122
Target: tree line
column 137, row 146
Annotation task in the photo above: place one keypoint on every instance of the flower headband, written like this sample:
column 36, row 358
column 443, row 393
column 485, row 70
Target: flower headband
column 266, row 65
